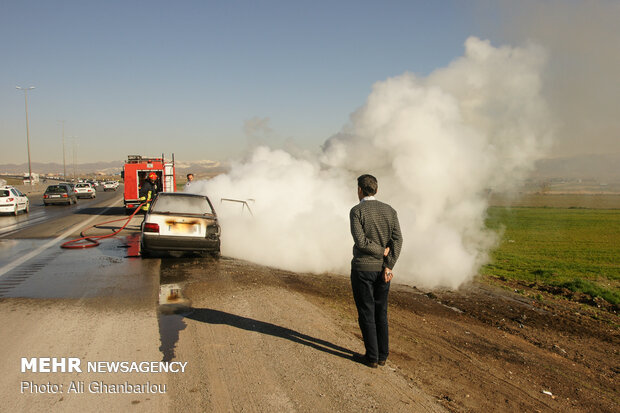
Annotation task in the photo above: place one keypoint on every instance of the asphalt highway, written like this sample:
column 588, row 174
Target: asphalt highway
column 33, row 264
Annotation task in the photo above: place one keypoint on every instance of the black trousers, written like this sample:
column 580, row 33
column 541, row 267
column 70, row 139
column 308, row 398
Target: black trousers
column 370, row 292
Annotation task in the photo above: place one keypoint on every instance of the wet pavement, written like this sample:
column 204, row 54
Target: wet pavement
column 38, row 268
column 173, row 306
column 11, row 224
column 113, row 270
column 83, row 273
column 14, row 226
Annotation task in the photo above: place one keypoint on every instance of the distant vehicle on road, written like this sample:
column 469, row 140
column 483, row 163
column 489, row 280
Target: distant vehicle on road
column 59, row 194
column 110, row 186
column 35, row 178
column 85, row 190
column 12, row 200
column 180, row 222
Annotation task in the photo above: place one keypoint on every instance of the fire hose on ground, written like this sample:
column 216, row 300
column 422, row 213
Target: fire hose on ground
column 92, row 241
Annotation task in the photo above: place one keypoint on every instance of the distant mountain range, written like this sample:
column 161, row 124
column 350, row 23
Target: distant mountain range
column 205, row 168
column 591, row 167
column 107, row 168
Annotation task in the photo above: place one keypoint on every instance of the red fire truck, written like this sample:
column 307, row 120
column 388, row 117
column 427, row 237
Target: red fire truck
column 135, row 172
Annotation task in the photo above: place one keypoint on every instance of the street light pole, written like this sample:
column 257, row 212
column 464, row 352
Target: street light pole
column 73, row 140
column 64, row 162
column 27, row 130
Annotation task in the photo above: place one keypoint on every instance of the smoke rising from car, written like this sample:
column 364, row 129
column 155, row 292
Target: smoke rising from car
column 436, row 144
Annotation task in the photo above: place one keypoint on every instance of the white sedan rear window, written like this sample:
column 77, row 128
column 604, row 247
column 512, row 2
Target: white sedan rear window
column 182, row 205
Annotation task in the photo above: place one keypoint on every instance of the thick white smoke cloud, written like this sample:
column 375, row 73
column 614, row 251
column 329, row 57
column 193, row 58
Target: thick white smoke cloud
column 436, row 145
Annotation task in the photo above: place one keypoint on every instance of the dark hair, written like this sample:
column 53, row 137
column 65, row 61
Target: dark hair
column 189, row 175
column 368, row 184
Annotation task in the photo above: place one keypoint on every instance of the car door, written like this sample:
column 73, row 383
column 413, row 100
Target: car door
column 19, row 198
column 25, row 199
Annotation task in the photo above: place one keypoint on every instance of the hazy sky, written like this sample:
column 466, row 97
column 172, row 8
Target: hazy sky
column 207, row 79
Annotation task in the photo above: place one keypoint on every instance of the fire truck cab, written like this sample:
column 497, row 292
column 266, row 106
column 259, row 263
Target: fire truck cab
column 135, row 172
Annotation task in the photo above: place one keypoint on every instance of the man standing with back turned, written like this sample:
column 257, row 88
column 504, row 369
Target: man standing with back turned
column 378, row 240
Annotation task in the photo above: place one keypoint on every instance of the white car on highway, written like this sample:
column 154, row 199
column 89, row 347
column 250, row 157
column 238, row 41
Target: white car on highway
column 85, row 190
column 12, row 200
column 110, row 186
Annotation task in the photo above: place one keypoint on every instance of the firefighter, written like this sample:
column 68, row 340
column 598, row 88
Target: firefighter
column 148, row 191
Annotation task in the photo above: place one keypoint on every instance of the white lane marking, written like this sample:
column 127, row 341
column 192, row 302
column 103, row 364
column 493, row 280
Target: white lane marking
column 45, row 246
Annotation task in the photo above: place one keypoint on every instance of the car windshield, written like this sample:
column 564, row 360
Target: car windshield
column 4, row 192
column 194, row 205
column 82, row 186
column 56, row 189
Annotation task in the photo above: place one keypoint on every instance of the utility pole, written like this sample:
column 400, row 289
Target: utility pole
column 64, row 162
column 27, row 131
column 74, row 156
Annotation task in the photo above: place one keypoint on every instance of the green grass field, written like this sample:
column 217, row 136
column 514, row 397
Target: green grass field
column 571, row 248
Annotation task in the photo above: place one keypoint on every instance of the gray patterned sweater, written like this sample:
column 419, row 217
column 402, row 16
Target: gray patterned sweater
column 374, row 226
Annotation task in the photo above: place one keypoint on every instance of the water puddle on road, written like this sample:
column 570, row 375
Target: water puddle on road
column 132, row 245
column 173, row 306
column 56, row 273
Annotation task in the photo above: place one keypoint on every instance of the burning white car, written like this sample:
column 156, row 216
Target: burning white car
column 180, row 222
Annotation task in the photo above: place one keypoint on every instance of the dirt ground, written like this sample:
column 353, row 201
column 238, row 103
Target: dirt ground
column 482, row 348
column 259, row 339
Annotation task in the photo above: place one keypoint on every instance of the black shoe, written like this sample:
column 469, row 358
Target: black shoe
column 361, row 358
column 381, row 362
